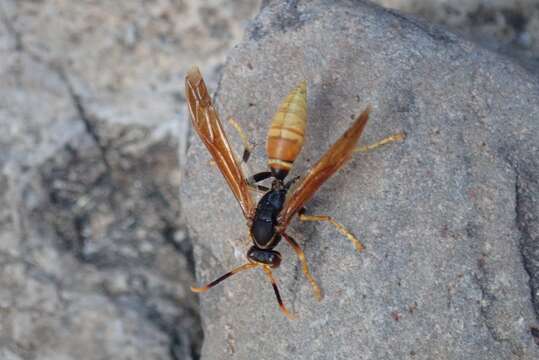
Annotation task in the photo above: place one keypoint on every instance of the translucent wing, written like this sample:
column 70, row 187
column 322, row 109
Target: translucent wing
column 328, row 165
column 207, row 125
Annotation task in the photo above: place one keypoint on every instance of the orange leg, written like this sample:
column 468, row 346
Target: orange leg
column 268, row 272
column 384, row 141
column 358, row 245
column 224, row 277
column 244, row 267
column 247, row 148
column 247, row 151
column 304, row 266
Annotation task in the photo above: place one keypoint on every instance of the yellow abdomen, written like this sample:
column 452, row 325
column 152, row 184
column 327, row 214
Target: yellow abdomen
column 287, row 131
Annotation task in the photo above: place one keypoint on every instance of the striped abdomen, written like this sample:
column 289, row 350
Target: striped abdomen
column 285, row 136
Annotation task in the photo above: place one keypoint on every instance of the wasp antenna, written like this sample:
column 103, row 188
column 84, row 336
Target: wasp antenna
column 288, row 314
column 224, row 277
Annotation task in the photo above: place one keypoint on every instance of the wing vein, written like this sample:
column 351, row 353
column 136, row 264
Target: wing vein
column 208, row 126
column 339, row 153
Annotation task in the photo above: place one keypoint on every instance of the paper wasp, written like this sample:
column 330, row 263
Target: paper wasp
column 269, row 219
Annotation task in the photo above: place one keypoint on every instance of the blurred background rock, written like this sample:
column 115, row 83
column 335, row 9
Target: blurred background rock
column 510, row 27
column 95, row 261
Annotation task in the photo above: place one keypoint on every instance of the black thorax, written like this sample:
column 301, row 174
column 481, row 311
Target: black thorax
column 265, row 219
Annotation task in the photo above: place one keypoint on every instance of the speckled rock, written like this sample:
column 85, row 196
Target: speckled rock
column 95, row 261
column 448, row 217
column 509, row 27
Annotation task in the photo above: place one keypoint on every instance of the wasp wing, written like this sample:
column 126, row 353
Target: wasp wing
column 208, row 126
column 328, row 165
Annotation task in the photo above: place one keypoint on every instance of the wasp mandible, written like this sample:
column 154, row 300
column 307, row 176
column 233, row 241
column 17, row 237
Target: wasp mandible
column 269, row 218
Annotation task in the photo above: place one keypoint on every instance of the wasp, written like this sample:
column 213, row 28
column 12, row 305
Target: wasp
column 269, row 218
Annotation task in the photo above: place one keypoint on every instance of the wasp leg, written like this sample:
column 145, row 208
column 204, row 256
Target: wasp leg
column 305, row 267
column 247, row 148
column 395, row 137
column 259, row 188
column 289, row 315
column 224, row 277
column 291, row 182
column 252, row 181
column 358, row 245
column 258, row 177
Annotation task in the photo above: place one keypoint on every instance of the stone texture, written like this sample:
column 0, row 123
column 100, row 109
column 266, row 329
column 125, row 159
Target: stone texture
column 448, row 217
column 510, row 27
column 95, row 260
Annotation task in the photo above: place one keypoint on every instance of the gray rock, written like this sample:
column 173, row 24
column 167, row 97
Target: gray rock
column 448, row 217
column 508, row 27
column 95, row 261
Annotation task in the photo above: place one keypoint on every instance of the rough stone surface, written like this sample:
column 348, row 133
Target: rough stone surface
column 510, row 27
column 448, row 217
column 95, row 261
